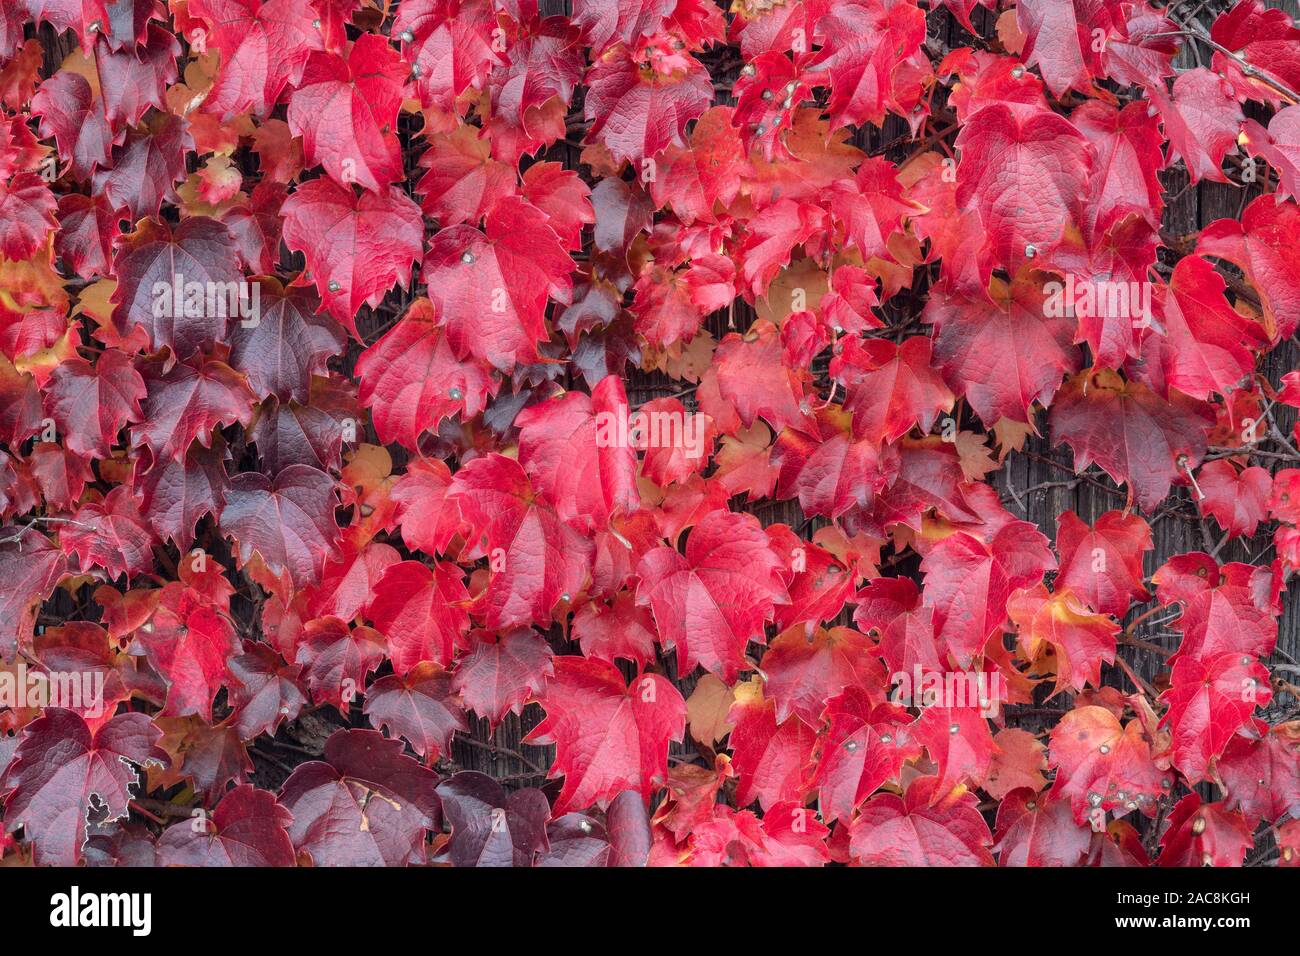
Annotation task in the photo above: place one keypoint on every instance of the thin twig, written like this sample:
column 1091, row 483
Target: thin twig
column 1247, row 68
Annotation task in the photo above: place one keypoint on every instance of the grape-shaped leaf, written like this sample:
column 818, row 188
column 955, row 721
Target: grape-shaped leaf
column 420, row 707
column 501, row 673
column 1102, row 565
column 185, row 403
column 30, row 566
column 345, row 110
column 609, row 736
column 90, row 402
column 1026, row 171
column 712, row 601
column 1204, row 835
column 490, row 827
column 181, row 286
column 491, row 289
column 1091, row 751
column 422, row 612
column 264, row 45
column 248, row 828
column 640, row 99
column 570, row 448
column 1209, row 700
column 771, row 759
column 289, row 522
column 61, row 772
column 288, row 342
column 924, row 827
column 968, row 582
column 366, row 804
column 111, row 534
column 1032, row 830
column 411, row 378
column 1130, row 432
column 357, row 246
column 535, row 559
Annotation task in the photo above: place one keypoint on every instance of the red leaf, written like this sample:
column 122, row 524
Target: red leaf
column 91, row 402
column 248, row 828
column 828, row 468
column 1260, row 775
column 428, row 519
column 422, row 612
column 1027, row 173
column 771, row 758
column 263, row 46
column 287, row 343
column 420, row 707
column 865, row 746
column 491, row 289
column 1201, row 121
column 1204, row 835
column 111, row 534
column 619, row 630
column 1238, row 501
column 1061, row 39
column 350, row 577
column 692, row 180
column 288, row 522
column 1035, row 831
column 535, row 559
column 185, row 403
column 366, row 804
column 490, row 827
column 27, row 212
column 1131, row 433
column 1260, row 246
column 337, row 659
column 640, row 99
column 191, row 650
column 1080, row 642
column 802, row 672
column 61, row 770
column 147, row 167
column 1002, row 351
column 357, row 247
column 412, row 380
column 30, row 566
column 1102, row 766
column 462, row 181
column 866, row 47
column 167, row 279
column 919, row 830
column 569, row 446
column 1209, row 700
column 958, row 740
column 345, row 110
column 500, row 674
column 267, row 691
column 609, row 736
column 968, row 582
column 1207, row 345
column 72, row 114
column 890, row 387
column 1103, row 564
column 711, row 602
